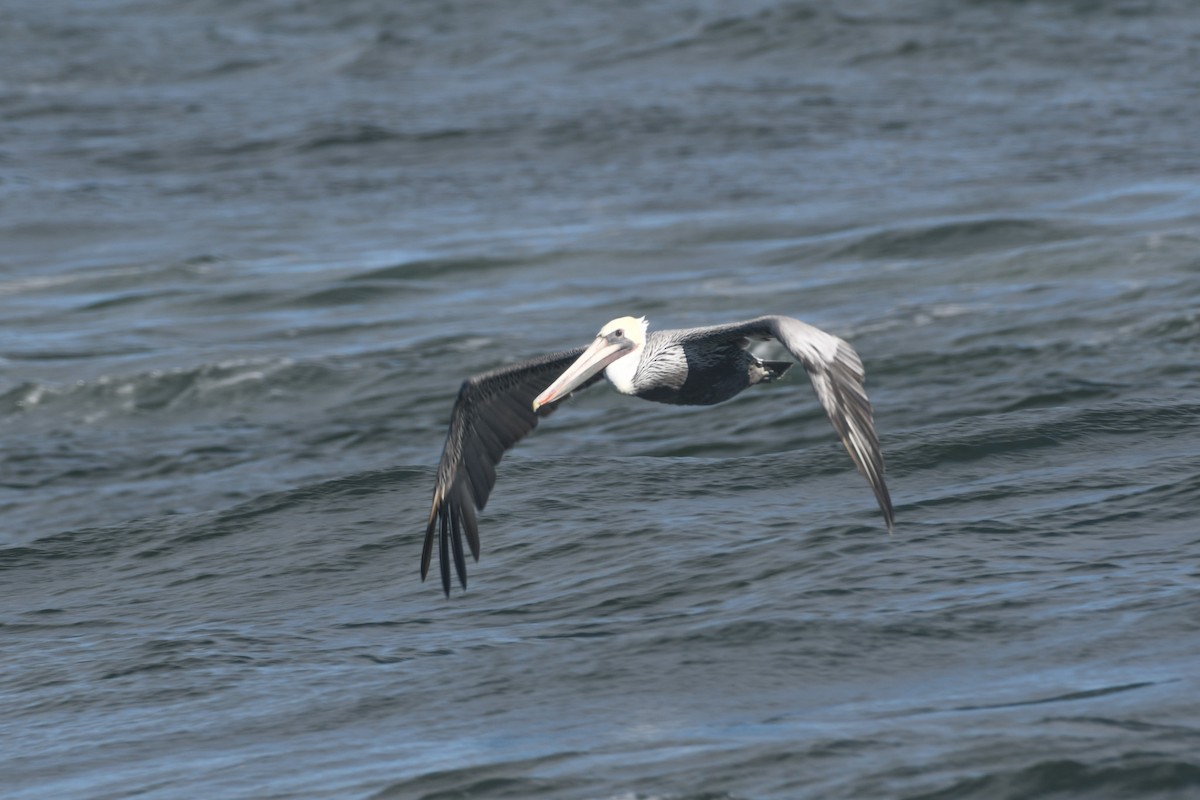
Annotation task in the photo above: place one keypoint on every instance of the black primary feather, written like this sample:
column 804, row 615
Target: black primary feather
column 493, row 412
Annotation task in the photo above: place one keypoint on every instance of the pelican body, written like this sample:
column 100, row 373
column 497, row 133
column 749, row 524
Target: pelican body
column 695, row 366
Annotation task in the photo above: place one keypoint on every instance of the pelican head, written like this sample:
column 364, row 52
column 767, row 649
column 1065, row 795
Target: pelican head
column 617, row 348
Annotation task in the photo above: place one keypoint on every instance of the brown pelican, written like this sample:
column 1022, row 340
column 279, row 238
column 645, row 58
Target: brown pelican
column 698, row 366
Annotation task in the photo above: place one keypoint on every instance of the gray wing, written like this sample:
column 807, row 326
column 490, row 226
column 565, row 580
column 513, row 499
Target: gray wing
column 837, row 375
column 493, row 412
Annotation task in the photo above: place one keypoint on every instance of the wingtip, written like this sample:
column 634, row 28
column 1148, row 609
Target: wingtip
column 427, row 549
column 885, row 505
column 889, row 515
column 443, row 551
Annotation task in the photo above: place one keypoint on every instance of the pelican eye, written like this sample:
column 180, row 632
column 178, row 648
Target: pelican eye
column 619, row 332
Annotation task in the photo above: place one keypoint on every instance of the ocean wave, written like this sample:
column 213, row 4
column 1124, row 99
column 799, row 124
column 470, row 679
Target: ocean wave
column 208, row 386
column 1023, row 431
column 1134, row 775
column 958, row 238
column 428, row 268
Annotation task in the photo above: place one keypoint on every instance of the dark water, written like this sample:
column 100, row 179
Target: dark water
column 249, row 250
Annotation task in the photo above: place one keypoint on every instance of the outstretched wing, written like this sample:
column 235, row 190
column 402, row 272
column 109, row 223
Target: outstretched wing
column 837, row 375
column 493, row 412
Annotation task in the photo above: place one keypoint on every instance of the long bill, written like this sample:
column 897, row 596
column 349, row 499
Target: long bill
column 602, row 352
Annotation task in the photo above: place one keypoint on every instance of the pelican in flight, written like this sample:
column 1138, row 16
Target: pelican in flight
column 693, row 367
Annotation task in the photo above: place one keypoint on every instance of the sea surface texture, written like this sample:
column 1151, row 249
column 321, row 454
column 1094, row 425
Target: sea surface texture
column 249, row 251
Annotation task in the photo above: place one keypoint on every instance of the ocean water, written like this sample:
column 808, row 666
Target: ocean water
column 250, row 250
